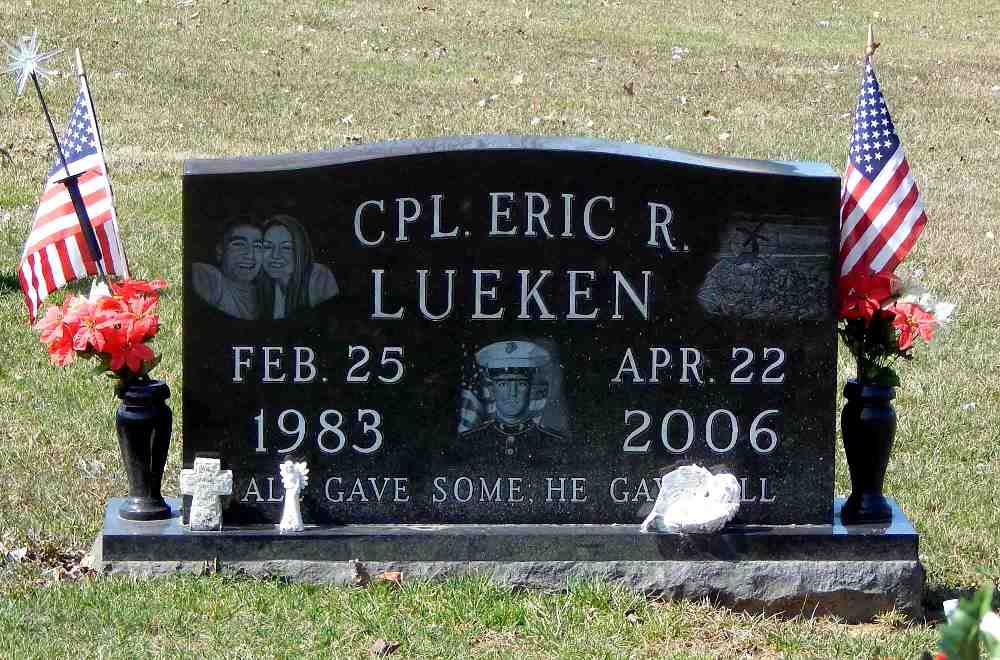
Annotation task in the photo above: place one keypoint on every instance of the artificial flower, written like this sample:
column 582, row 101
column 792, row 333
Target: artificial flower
column 878, row 286
column 88, row 333
column 913, row 321
column 112, row 324
column 50, row 326
column 881, row 318
column 133, row 356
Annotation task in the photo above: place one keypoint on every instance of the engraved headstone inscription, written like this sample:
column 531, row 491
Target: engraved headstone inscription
column 510, row 330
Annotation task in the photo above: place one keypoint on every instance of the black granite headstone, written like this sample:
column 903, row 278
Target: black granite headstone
column 510, row 329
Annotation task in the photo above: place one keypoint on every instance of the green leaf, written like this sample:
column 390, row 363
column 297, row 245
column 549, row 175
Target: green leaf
column 960, row 637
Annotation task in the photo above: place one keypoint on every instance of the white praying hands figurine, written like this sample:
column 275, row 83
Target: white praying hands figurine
column 294, row 477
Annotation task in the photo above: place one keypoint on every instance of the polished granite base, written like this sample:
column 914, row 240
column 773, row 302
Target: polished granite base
column 855, row 572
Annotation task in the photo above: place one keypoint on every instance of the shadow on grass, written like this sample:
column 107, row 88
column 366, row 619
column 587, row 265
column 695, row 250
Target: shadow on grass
column 935, row 593
column 9, row 284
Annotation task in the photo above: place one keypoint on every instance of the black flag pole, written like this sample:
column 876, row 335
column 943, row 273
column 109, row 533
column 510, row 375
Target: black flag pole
column 72, row 183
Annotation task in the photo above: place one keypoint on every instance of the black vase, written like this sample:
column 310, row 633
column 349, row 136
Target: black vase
column 868, row 424
column 143, row 422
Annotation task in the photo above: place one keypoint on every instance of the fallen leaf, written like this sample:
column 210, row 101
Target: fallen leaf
column 391, row 576
column 17, row 555
column 629, row 88
column 709, row 115
column 359, row 573
column 536, row 104
column 381, row 648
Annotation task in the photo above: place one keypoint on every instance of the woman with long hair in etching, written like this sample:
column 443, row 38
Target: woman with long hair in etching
column 294, row 280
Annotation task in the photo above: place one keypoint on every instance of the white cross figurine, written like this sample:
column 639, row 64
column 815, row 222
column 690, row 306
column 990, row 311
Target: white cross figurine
column 294, row 477
column 206, row 484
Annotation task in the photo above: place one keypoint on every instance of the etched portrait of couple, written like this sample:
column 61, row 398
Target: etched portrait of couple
column 263, row 271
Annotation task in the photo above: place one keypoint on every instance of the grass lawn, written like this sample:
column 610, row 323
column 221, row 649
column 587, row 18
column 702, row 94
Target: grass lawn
column 173, row 80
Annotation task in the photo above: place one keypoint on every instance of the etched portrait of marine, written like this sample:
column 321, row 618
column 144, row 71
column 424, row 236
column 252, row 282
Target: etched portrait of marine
column 263, row 270
column 507, row 411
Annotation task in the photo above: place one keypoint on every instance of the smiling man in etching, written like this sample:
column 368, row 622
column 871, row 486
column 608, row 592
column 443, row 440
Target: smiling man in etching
column 231, row 287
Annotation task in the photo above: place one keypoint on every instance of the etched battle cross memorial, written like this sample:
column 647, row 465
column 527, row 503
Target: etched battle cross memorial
column 488, row 351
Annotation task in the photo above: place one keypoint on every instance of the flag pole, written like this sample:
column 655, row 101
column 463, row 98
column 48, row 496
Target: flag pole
column 871, row 45
column 73, row 187
column 82, row 73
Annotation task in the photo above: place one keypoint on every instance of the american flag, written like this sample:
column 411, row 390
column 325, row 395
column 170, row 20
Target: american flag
column 471, row 407
column 881, row 213
column 56, row 251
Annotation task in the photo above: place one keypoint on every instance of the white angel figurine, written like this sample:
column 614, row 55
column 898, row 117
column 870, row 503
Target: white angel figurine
column 294, row 477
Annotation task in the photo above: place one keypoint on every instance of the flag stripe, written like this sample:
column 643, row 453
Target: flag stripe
column 869, row 195
column 906, row 245
column 41, row 284
column 55, row 265
column 903, row 239
column 876, row 201
column 28, row 288
column 909, row 203
column 64, row 263
column 59, row 202
column 73, row 249
column 49, row 230
column 879, row 216
column 102, row 239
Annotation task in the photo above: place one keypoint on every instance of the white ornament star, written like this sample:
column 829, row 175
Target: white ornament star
column 24, row 61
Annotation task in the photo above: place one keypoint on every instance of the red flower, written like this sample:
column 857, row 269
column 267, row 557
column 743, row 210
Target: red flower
column 132, row 352
column 50, row 326
column 129, row 289
column 858, row 307
column 88, row 333
column 113, row 327
column 941, row 656
column 879, row 286
column 61, row 351
column 860, row 295
column 912, row 321
column 141, row 310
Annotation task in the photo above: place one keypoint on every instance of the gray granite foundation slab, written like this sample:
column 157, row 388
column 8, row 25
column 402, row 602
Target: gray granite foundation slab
column 855, row 573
